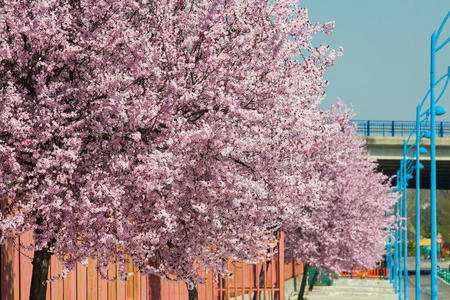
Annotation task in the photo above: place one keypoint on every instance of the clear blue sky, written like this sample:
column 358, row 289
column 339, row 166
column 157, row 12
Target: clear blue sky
column 384, row 72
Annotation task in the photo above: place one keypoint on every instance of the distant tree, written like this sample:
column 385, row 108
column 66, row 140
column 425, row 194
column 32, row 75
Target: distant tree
column 443, row 213
column 341, row 222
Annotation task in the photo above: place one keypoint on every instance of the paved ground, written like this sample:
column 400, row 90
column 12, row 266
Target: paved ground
column 372, row 289
column 353, row 289
column 425, row 281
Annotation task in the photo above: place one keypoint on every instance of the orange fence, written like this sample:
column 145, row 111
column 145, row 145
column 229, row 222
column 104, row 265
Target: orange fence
column 84, row 283
column 265, row 279
column 81, row 284
column 374, row 273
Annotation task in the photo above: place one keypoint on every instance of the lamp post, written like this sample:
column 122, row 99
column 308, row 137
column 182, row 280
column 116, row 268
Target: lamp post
column 433, row 173
column 403, row 176
column 389, row 254
column 405, row 228
column 400, row 232
column 396, row 240
column 417, row 203
column 418, row 167
column 406, row 175
column 417, row 211
column 435, row 47
column 430, row 113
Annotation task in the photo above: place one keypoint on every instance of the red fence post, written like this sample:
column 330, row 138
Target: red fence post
column 281, row 262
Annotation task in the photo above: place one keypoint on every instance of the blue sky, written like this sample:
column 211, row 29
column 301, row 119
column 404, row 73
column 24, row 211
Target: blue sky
column 384, row 72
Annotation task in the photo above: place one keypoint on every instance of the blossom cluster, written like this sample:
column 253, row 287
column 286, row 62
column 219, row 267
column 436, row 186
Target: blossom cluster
column 345, row 225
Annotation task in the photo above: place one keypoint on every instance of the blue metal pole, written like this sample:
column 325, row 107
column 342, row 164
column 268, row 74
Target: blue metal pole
column 418, row 203
column 396, row 240
column 434, row 295
column 396, row 256
column 405, row 229
column 389, row 255
column 400, row 245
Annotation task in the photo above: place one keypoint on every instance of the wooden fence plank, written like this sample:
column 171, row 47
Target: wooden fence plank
column 144, row 287
column 8, row 272
column 70, row 286
column 81, row 282
column 92, row 286
column 57, row 287
column 26, row 266
column 130, row 283
column 112, row 285
column 16, row 269
column 121, row 288
column 102, row 287
column 137, row 286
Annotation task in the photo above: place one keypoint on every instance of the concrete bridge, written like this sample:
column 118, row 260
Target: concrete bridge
column 385, row 143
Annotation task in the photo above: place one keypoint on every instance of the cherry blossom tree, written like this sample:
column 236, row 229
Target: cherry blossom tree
column 344, row 224
column 169, row 133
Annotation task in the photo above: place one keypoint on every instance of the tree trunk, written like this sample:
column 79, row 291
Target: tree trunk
column 41, row 262
column 303, row 284
column 313, row 281
column 193, row 294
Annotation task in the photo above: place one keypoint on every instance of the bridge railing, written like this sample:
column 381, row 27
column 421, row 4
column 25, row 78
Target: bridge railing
column 444, row 274
column 397, row 128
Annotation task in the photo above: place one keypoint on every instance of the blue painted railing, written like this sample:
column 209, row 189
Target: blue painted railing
column 397, row 128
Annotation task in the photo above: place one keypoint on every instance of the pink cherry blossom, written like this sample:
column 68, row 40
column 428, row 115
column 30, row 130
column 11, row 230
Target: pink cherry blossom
column 178, row 135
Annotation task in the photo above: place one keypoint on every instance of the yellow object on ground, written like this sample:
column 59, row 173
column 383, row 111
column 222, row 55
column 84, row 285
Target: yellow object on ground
column 425, row 242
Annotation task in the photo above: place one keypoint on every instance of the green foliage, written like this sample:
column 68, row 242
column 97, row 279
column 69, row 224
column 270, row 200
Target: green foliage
column 411, row 248
column 443, row 213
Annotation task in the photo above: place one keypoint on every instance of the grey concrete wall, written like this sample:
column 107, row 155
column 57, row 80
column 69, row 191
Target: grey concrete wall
column 391, row 148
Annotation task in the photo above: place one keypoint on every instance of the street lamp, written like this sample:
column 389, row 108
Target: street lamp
column 435, row 47
column 406, row 169
column 403, row 176
column 401, row 253
column 434, row 110
column 398, row 245
column 439, row 110
column 405, row 222
column 419, row 166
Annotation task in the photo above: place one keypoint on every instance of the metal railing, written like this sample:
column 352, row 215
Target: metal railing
column 444, row 274
column 397, row 128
